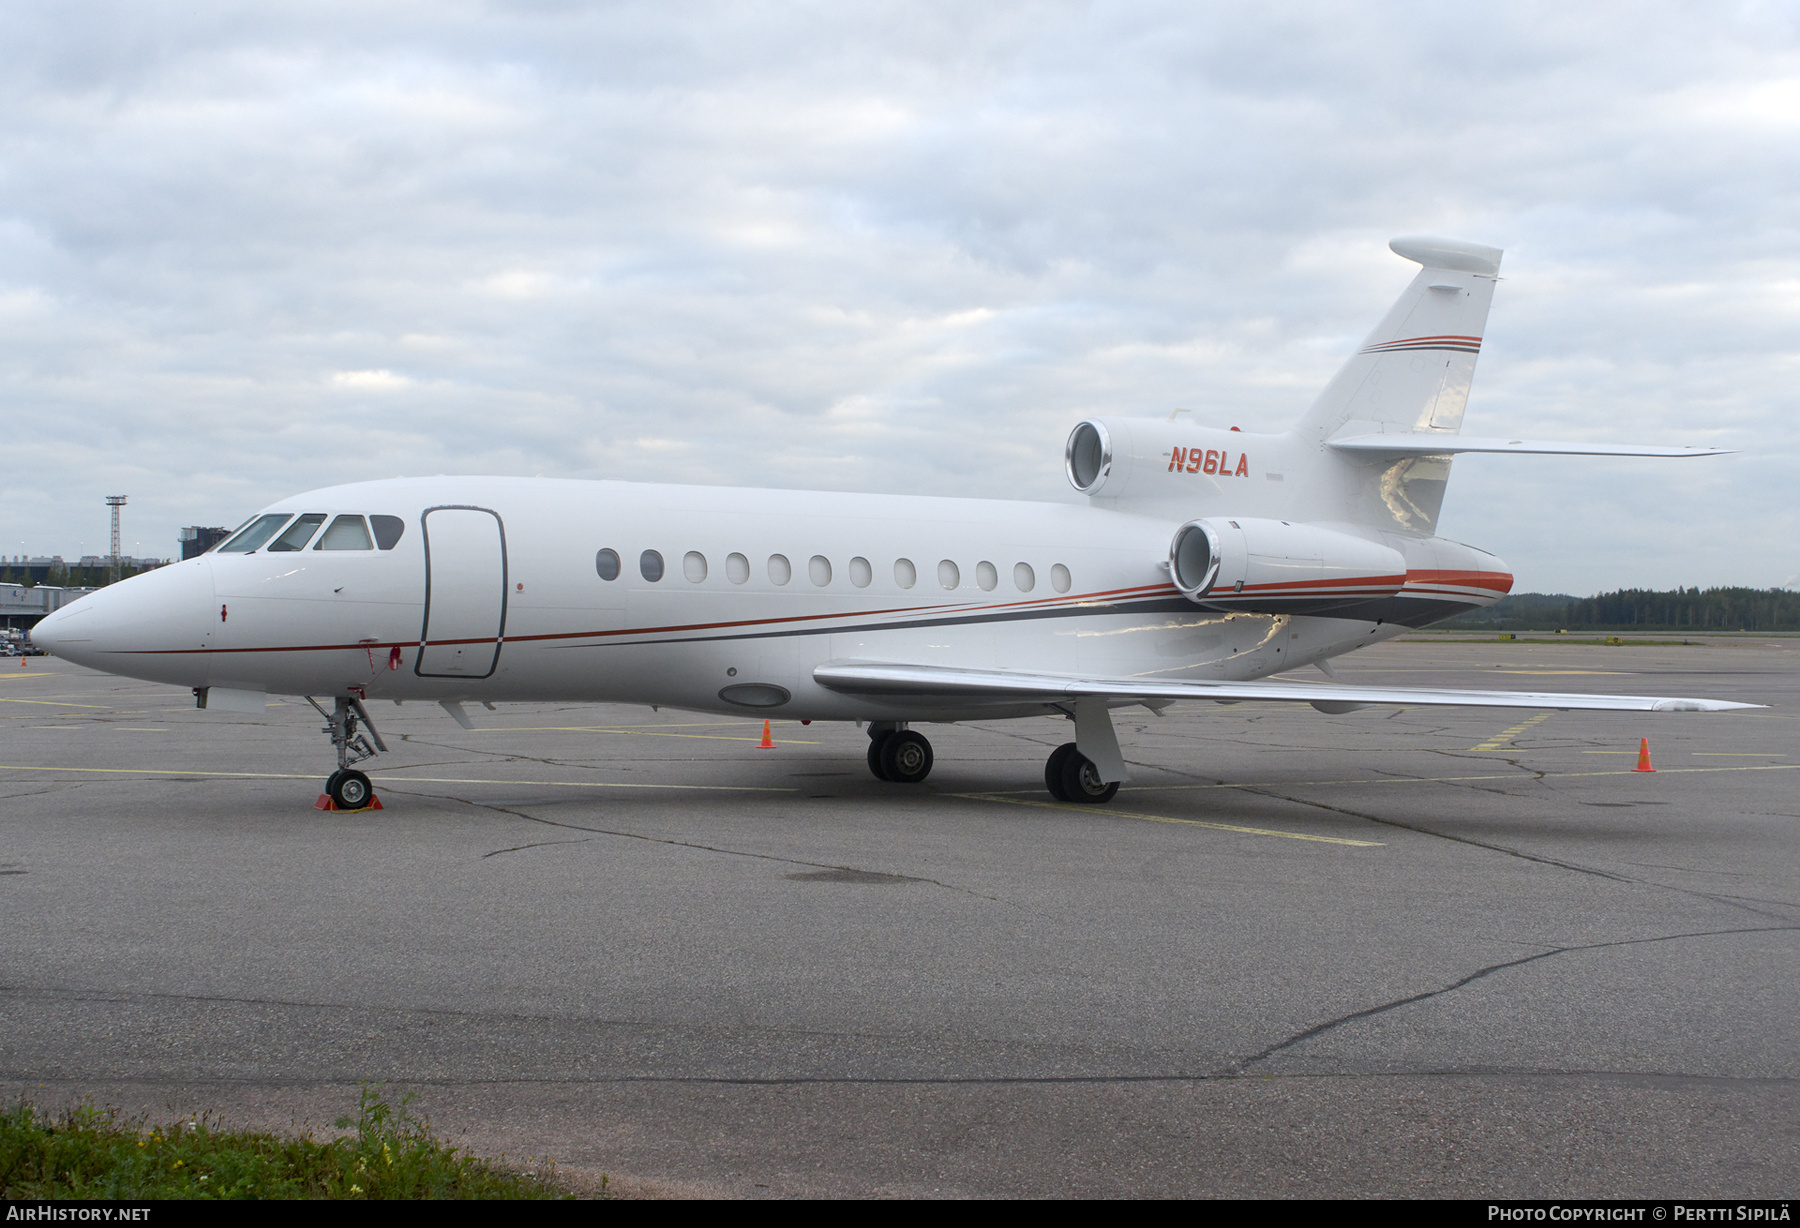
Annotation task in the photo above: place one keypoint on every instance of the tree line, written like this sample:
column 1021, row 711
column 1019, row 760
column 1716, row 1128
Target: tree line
column 62, row 575
column 1637, row 609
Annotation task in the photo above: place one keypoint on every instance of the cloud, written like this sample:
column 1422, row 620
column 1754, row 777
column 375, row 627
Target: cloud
column 888, row 247
column 380, row 381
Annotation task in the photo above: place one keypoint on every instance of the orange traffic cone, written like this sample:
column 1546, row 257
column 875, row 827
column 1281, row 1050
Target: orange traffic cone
column 768, row 743
column 1643, row 757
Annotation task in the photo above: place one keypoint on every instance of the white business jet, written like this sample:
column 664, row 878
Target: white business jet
column 1204, row 561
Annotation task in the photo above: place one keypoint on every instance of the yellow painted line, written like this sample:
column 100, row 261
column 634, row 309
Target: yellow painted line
column 645, row 732
column 739, row 724
column 1109, row 813
column 386, row 779
column 1728, row 754
column 1544, row 673
column 33, row 767
column 1428, row 780
column 53, row 726
column 579, row 784
column 1499, row 740
column 56, row 703
column 21, row 675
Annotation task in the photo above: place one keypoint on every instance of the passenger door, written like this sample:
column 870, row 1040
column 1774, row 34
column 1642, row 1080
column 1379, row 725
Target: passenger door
column 465, row 593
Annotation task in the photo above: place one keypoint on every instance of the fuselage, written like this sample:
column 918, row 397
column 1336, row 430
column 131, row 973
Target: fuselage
column 707, row 598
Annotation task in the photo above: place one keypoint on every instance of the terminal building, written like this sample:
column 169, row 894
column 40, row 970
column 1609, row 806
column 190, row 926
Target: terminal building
column 196, row 540
column 31, row 569
column 22, row 606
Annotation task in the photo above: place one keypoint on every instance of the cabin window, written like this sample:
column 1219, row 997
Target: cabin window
column 818, row 570
column 650, row 566
column 260, row 531
column 388, row 530
column 296, row 535
column 1059, row 578
column 606, row 563
column 780, row 570
column 987, row 576
column 346, row 533
column 860, row 572
column 905, row 574
column 948, row 574
column 693, row 566
column 737, row 568
column 1024, row 579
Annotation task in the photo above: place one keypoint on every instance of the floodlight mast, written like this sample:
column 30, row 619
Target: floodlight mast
column 115, row 502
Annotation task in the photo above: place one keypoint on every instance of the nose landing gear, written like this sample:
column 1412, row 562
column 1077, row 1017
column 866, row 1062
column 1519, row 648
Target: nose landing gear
column 347, row 788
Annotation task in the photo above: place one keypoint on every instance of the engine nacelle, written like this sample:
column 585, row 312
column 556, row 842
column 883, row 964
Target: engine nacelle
column 1274, row 567
column 1113, row 458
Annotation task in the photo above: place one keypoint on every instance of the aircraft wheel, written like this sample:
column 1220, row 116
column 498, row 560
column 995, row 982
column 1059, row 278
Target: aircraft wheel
column 331, row 782
column 905, row 757
column 1053, row 771
column 351, row 790
column 875, row 745
column 1081, row 781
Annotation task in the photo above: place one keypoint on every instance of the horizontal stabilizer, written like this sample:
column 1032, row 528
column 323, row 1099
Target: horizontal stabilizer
column 946, row 686
column 1401, row 444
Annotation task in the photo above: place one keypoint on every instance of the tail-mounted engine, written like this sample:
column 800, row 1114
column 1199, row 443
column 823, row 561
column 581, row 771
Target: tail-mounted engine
column 1112, row 458
column 1274, row 567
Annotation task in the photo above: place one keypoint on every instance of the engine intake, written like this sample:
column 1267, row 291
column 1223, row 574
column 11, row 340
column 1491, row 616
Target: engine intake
column 1088, row 457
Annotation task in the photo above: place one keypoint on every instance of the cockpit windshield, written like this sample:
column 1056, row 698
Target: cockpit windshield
column 346, row 532
column 296, row 535
column 259, row 531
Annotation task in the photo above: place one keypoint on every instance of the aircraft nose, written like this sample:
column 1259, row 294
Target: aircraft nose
column 133, row 626
column 58, row 630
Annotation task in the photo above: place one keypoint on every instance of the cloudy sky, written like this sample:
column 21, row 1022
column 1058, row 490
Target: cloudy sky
column 250, row 249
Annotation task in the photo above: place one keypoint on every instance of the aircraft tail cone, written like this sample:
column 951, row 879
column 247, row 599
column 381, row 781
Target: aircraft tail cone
column 1643, row 757
column 768, row 742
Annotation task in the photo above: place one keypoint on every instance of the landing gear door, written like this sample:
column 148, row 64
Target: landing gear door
column 465, row 593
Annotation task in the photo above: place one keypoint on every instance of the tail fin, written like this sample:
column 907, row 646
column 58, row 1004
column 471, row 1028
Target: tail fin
column 1412, row 375
column 1413, row 372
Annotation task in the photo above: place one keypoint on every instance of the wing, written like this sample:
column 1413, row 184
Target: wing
column 1402, row 444
column 946, row 686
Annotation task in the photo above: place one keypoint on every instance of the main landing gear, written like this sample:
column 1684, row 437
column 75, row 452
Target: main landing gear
column 1072, row 777
column 347, row 788
column 898, row 754
column 903, row 756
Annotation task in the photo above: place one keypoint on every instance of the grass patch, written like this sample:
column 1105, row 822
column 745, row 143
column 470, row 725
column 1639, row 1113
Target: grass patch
column 90, row 1153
